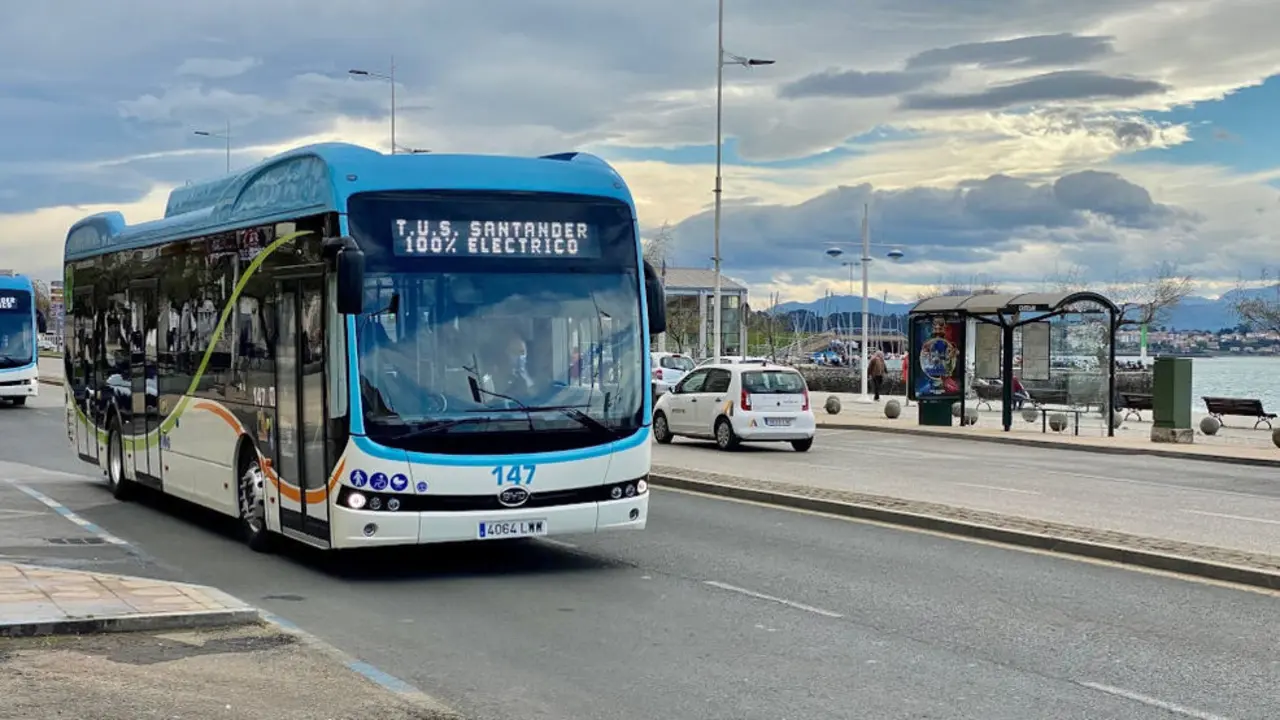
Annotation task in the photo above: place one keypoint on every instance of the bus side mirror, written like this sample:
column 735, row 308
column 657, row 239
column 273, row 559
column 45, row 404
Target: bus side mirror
column 350, row 272
column 656, row 299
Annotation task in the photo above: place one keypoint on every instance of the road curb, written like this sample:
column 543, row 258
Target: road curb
column 132, row 623
column 1051, row 445
column 1066, row 546
column 51, row 381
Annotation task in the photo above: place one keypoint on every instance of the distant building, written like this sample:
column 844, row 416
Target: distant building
column 691, row 318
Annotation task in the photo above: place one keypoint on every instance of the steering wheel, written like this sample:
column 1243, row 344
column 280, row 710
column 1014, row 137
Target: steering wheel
column 437, row 403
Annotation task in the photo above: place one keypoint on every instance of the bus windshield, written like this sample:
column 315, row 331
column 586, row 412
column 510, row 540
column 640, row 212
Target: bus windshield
column 17, row 331
column 500, row 353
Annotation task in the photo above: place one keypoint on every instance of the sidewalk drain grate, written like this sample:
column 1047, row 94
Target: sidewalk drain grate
column 76, row 541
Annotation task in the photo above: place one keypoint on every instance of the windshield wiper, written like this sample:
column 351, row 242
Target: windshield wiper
column 572, row 411
column 442, row 426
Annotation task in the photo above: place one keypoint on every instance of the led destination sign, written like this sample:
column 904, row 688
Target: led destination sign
column 15, row 301
column 494, row 238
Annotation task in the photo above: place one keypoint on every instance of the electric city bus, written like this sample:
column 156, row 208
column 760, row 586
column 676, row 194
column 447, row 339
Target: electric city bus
column 352, row 349
column 19, row 347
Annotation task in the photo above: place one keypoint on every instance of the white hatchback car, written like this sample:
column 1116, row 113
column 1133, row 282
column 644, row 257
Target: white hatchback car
column 668, row 369
column 741, row 402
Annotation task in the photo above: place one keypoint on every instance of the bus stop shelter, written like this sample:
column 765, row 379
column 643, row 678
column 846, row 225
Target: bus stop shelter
column 1010, row 312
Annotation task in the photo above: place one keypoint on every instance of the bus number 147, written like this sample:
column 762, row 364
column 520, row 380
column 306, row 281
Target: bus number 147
column 514, row 474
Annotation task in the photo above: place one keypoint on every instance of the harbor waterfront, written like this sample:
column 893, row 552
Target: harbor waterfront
column 1240, row 377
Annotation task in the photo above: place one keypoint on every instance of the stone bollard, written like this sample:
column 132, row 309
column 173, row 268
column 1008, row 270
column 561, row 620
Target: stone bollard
column 1057, row 422
column 893, row 409
column 1210, row 425
column 1030, row 414
column 1117, row 419
column 1275, row 437
column 970, row 416
column 955, row 409
column 832, row 405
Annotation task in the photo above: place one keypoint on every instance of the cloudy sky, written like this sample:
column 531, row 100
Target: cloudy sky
column 1004, row 138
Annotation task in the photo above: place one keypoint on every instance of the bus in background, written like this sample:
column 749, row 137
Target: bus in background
column 352, row 349
column 19, row 351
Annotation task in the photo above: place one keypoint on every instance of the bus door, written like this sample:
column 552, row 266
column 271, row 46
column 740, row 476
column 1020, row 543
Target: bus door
column 81, row 359
column 301, row 461
column 145, row 381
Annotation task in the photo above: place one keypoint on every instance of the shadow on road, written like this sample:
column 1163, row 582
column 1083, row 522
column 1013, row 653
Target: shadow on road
column 499, row 558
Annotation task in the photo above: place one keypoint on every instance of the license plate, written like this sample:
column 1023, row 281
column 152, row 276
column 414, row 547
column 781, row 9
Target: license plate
column 511, row 529
column 777, row 422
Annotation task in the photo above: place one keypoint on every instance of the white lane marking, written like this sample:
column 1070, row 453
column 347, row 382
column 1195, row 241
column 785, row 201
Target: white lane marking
column 1153, row 702
column 1232, row 517
column 559, row 543
column 66, row 512
column 772, row 599
column 997, row 487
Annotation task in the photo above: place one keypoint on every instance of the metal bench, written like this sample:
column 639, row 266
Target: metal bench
column 1135, row 403
column 1240, row 407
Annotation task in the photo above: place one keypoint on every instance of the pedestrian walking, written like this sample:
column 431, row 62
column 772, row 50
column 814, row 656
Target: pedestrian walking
column 876, row 372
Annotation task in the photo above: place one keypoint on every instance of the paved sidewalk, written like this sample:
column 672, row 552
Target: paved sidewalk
column 1232, row 443
column 47, row 601
column 246, row 672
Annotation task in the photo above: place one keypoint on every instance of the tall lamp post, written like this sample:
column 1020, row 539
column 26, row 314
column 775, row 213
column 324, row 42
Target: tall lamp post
column 390, row 78
column 865, row 261
column 221, row 136
column 722, row 58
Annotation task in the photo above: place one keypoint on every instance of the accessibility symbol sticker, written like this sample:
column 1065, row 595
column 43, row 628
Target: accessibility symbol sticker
column 399, row 482
column 378, row 481
column 359, row 478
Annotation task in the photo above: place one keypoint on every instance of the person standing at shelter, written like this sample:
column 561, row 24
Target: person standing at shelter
column 876, row 372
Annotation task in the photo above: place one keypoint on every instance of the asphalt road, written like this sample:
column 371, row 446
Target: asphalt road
column 728, row 610
column 1210, row 503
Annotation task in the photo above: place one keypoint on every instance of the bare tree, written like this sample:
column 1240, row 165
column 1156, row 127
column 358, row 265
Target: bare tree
column 682, row 322
column 1151, row 301
column 1066, row 280
column 979, row 284
column 1258, row 307
column 659, row 247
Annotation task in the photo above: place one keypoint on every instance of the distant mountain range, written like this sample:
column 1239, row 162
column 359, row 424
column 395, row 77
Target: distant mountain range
column 1193, row 313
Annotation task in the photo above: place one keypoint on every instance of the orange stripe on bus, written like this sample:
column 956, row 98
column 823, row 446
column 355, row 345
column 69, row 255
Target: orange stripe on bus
column 290, row 491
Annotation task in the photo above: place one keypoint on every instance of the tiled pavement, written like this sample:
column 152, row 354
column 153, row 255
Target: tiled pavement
column 1234, row 443
column 38, row 601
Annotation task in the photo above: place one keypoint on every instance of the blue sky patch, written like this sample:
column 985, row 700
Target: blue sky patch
column 1237, row 132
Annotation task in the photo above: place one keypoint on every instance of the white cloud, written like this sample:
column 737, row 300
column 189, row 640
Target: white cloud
column 95, row 120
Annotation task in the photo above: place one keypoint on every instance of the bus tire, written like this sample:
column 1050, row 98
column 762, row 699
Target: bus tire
column 19, row 401
column 121, row 486
column 252, row 495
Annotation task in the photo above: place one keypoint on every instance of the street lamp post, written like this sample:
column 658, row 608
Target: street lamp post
column 722, row 59
column 222, row 136
column 390, row 78
column 865, row 262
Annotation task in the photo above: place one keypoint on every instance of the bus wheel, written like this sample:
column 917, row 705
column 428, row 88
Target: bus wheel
column 19, row 401
column 121, row 487
column 253, row 507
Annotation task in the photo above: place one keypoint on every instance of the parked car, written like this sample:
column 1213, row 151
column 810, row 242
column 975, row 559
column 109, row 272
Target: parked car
column 668, row 369
column 737, row 403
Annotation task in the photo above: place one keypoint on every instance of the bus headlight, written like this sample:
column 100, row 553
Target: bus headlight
column 616, row 492
column 642, row 487
column 393, row 504
column 375, row 503
column 355, row 501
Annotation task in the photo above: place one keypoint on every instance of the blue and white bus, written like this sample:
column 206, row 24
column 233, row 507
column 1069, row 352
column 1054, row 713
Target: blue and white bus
column 353, row 349
column 19, row 341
